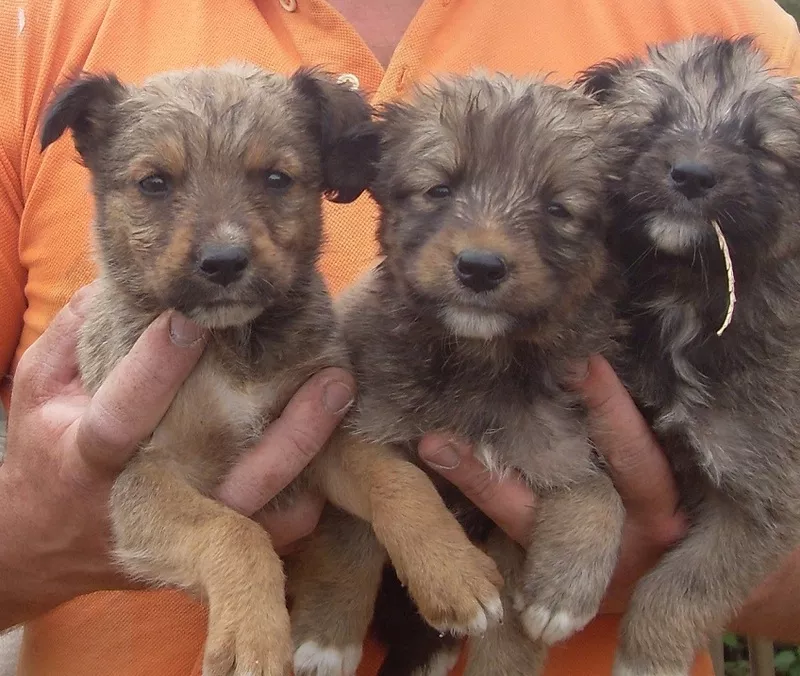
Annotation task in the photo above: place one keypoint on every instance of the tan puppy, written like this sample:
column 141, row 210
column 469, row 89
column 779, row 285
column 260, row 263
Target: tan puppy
column 207, row 185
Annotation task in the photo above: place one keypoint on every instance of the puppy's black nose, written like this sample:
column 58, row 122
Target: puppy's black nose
column 223, row 264
column 480, row 270
column 692, row 178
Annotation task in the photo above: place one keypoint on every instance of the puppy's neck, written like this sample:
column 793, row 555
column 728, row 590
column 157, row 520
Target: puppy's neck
column 297, row 326
column 547, row 351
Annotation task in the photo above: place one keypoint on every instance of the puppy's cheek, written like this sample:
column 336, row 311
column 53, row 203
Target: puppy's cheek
column 274, row 263
column 169, row 265
column 432, row 265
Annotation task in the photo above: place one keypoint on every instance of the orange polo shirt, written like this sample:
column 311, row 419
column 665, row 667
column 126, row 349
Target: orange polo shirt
column 45, row 209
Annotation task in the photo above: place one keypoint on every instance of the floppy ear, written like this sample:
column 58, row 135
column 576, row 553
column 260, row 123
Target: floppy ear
column 346, row 133
column 84, row 105
column 599, row 80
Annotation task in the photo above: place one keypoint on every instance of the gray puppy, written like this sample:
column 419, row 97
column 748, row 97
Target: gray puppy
column 708, row 202
column 495, row 280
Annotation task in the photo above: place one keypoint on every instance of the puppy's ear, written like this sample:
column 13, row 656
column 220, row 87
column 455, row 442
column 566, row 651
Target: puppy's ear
column 348, row 138
column 600, row 80
column 84, row 105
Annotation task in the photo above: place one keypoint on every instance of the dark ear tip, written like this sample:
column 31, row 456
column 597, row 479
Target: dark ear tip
column 48, row 135
column 72, row 102
column 344, row 195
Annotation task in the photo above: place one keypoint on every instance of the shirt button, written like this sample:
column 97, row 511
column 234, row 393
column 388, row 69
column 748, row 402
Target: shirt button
column 289, row 5
column 348, row 79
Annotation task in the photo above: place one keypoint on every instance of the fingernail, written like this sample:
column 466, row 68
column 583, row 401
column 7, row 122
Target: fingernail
column 79, row 303
column 444, row 457
column 577, row 371
column 183, row 331
column 337, row 397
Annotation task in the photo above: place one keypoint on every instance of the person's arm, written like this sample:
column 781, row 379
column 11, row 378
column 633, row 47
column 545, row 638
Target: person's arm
column 643, row 478
column 65, row 448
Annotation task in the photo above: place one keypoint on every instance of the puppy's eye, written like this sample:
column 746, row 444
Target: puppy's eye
column 439, row 192
column 155, row 185
column 277, row 180
column 558, row 210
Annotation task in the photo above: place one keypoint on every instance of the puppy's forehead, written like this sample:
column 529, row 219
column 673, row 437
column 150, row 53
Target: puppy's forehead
column 484, row 121
column 705, row 80
column 234, row 112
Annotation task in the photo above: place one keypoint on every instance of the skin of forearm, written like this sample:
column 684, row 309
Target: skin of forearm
column 773, row 611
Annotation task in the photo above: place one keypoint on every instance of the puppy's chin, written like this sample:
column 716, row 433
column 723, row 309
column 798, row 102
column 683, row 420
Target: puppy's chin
column 222, row 316
column 475, row 322
column 676, row 234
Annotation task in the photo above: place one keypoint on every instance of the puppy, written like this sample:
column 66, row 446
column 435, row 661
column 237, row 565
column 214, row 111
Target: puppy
column 207, row 186
column 495, row 281
column 713, row 140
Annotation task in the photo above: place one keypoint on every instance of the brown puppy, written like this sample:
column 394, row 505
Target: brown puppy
column 495, row 280
column 207, row 185
column 712, row 137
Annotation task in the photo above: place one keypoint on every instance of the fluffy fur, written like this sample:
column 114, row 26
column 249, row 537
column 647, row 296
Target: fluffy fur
column 482, row 168
column 725, row 407
column 207, row 186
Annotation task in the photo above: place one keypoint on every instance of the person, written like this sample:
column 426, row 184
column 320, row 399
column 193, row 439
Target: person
column 64, row 448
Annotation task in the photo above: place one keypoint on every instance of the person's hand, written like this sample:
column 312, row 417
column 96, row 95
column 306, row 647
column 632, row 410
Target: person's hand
column 65, row 448
column 637, row 464
column 771, row 610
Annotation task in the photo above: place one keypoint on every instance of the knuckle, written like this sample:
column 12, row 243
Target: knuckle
column 481, row 487
column 303, row 442
column 29, row 386
column 305, row 524
column 629, row 453
column 666, row 531
column 103, row 429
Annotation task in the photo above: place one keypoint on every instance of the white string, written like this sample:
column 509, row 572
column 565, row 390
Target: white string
column 731, row 282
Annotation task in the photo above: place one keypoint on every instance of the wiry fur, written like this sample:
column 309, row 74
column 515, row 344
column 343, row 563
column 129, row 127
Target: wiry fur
column 214, row 135
column 508, row 150
column 725, row 408
column 217, row 137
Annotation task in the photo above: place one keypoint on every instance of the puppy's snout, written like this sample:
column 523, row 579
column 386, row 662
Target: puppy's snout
column 693, row 179
column 480, row 270
column 223, row 265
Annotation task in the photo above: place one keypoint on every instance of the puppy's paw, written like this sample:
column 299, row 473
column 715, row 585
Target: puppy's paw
column 460, row 596
column 548, row 624
column 312, row 659
column 440, row 664
column 256, row 643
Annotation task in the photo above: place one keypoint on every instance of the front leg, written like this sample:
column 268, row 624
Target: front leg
column 573, row 552
column 697, row 587
column 166, row 532
column 453, row 583
column 333, row 580
column 505, row 649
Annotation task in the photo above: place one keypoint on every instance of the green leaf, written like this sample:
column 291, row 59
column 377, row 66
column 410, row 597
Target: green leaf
column 784, row 660
column 794, row 670
column 730, row 640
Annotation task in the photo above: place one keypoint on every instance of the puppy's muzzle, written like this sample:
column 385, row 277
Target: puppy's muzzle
column 223, row 265
column 480, row 270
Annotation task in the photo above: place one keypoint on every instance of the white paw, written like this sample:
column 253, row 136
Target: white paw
column 621, row 669
column 491, row 612
column 441, row 664
column 550, row 626
column 311, row 659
